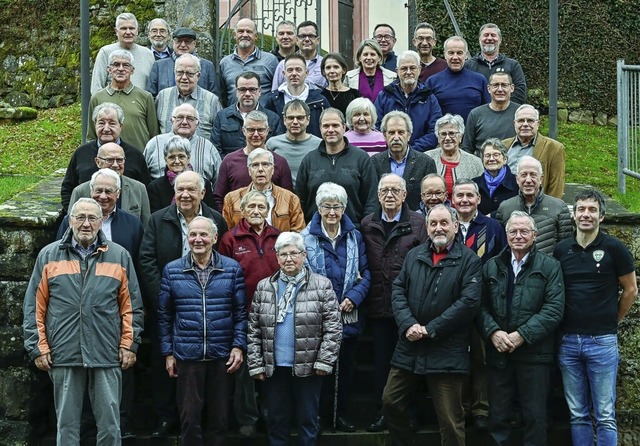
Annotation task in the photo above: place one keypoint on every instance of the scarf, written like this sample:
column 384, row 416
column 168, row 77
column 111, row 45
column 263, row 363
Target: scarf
column 494, row 182
column 365, row 88
column 289, row 292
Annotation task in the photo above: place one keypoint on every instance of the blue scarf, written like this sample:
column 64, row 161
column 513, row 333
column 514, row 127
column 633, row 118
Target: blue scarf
column 494, row 182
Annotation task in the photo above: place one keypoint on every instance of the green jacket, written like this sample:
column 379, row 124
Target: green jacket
column 537, row 306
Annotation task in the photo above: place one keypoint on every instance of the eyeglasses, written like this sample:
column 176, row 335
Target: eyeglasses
column 290, row 255
column 386, row 37
column 110, row 161
column 296, row 118
column 258, row 164
column 407, row 69
column 394, row 191
column 125, row 65
column 252, row 90
column 522, row 232
column 427, row 39
column 529, row 121
column 495, row 156
column 327, row 208
column 499, row 85
column 83, row 218
column 180, row 157
column 443, row 135
column 189, row 74
column 261, row 130
column 188, row 118
column 307, row 36
column 106, row 191
column 432, row 194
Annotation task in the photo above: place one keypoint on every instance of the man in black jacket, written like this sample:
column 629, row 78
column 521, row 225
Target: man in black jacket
column 434, row 299
column 164, row 240
column 522, row 305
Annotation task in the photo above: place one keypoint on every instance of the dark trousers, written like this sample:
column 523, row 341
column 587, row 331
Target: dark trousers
column 531, row 383
column 345, row 373
column 286, row 394
column 385, row 337
column 164, row 387
column 446, row 393
column 476, row 394
column 203, row 388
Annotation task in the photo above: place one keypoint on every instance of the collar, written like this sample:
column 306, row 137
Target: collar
column 118, row 141
column 384, row 217
column 181, row 216
column 514, row 261
column 255, row 53
column 193, row 95
column 78, row 247
column 194, row 264
column 111, row 91
column 404, row 160
column 338, row 234
column 531, row 144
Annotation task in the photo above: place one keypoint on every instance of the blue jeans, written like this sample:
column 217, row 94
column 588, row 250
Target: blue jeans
column 589, row 365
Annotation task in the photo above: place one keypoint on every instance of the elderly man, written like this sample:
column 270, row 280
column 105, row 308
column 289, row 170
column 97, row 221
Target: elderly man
column 522, row 305
column 295, row 73
column 529, row 141
column 435, row 298
column 82, row 323
column 166, row 239
column 137, row 104
column 424, row 39
column 385, row 35
column 127, row 31
column 490, row 60
column 246, row 56
column 550, row 214
column 133, row 196
column 205, row 158
column 233, row 170
column 187, row 90
column 201, row 287
column 308, row 41
column 458, row 89
column 408, row 95
column 159, row 33
column 433, row 191
column 163, row 72
column 337, row 161
column 389, row 234
column 226, row 133
column 492, row 120
column 296, row 143
column 285, row 39
column 108, row 119
column 285, row 213
column 596, row 266
column 411, row 165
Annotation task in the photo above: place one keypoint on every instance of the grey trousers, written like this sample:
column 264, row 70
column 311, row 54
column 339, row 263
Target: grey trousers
column 104, row 386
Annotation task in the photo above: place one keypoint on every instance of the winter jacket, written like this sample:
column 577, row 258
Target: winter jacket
column 196, row 322
column 335, row 266
column 536, row 307
column 421, row 106
column 286, row 214
column 316, row 102
column 386, row 255
column 445, row 298
column 317, row 326
column 82, row 311
column 551, row 215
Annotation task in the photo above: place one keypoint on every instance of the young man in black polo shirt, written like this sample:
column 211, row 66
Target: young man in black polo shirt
column 594, row 264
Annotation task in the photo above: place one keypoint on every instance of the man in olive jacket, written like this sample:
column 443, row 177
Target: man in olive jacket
column 522, row 304
column 434, row 299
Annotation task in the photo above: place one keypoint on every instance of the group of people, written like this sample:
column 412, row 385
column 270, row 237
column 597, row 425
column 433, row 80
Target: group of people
column 254, row 242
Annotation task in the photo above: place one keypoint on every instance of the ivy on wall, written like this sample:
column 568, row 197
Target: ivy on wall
column 593, row 34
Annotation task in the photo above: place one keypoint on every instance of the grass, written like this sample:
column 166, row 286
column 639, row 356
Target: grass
column 32, row 149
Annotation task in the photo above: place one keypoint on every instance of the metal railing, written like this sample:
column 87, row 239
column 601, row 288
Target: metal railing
column 628, row 123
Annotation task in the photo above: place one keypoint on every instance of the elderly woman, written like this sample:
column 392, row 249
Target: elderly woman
column 370, row 77
column 361, row 120
column 452, row 163
column 293, row 341
column 177, row 154
column 336, row 249
column 252, row 244
column 334, row 69
column 496, row 183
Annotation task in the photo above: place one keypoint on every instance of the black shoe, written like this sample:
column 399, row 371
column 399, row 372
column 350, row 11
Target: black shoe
column 127, row 434
column 481, row 423
column 162, row 430
column 344, row 425
column 378, row 426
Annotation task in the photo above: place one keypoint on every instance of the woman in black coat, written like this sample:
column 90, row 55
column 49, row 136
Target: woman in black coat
column 496, row 183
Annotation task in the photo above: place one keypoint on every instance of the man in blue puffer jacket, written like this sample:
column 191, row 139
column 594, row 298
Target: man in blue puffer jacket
column 203, row 332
